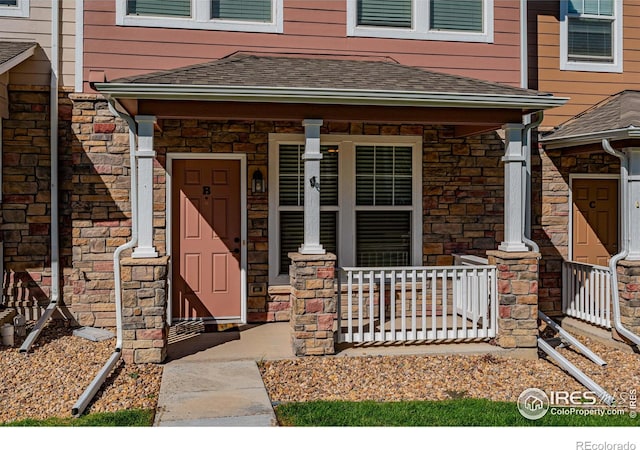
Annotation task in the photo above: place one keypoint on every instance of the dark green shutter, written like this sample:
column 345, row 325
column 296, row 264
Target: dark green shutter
column 177, row 8
column 456, row 15
column 245, row 10
column 385, row 13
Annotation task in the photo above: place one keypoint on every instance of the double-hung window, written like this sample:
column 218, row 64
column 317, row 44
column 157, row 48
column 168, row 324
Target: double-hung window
column 591, row 35
column 452, row 20
column 14, row 8
column 229, row 15
column 370, row 200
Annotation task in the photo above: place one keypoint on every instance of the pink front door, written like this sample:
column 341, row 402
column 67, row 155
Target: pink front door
column 206, row 239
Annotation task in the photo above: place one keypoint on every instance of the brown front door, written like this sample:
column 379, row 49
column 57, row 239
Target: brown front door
column 595, row 220
column 206, row 239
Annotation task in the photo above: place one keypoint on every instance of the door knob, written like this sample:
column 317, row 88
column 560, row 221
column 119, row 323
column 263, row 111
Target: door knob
column 236, row 239
column 236, row 250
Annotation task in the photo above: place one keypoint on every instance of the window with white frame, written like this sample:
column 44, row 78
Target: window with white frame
column 451, row 20
column 370, row 191
column 591, row 35
column 229, row 15
column 14, row 8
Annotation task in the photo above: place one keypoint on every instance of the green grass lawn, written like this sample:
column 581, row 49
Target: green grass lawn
column 125, row 418
column 462, row 412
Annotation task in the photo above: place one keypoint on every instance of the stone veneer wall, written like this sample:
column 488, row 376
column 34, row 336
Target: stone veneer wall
column 26, row 200
column 517, row 299
column 629, row 288
column 462, row 195
column 551, row 214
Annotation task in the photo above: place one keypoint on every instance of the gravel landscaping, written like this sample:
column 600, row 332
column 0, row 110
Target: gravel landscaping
column 439, row 377
column 48, row 380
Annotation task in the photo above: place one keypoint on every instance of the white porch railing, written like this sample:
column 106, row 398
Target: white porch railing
column 586, row 292
column 417, row 303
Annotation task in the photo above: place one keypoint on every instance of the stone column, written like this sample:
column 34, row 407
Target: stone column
column 514, row 160
column 146, row 156
column 517, row 299
column 144, row 309
column 313, row 303
column 629, row 290
column 311, row 181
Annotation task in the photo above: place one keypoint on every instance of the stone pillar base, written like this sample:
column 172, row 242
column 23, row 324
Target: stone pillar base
column 629, row 292
column 144, row 309
column 517, row 298
column 313, row 303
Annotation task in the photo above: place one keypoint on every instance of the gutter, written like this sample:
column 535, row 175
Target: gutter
column 90, row 392
column 326, row 96
column 55, row 221
column 624, row 251
column 630, row 132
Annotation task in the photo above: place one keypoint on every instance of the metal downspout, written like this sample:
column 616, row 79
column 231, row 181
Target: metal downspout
column 86, row 397
column 526, row 174
column 55, row 222
column 624, row 250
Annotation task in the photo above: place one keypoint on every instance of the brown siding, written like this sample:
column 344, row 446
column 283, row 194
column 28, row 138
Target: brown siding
column 584, row 88
column 309, row 27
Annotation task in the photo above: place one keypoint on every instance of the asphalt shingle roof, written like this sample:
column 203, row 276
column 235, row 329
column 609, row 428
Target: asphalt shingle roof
column 11, row 49
column 616, row 112
column 244, row 69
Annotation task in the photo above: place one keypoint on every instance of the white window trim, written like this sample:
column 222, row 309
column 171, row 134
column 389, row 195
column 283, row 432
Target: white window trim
column 420, row 26
column 20, row 10
column 200, row 19
column 586, row 66
column 346, row 208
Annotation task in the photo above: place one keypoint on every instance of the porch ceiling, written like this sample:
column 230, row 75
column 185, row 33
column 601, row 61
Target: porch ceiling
column 616, row 118
column 251, row 86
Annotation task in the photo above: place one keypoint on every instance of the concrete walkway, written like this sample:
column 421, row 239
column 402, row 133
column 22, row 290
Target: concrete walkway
column 212, row 379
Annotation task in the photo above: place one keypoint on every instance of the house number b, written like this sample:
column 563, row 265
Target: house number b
column 206, row 190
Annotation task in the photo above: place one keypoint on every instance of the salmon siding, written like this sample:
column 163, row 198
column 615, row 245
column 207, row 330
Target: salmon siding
column 316, row 27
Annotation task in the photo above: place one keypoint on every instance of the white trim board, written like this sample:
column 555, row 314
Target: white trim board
column 243, row 227
column 587, row 176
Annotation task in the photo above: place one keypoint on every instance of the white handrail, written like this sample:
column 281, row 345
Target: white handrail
column 418, row 303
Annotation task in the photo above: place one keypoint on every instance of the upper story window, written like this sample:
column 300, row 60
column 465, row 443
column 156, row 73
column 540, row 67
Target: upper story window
column 230, row 15
column 446, row 20
column 14, row 8
column 591, row 35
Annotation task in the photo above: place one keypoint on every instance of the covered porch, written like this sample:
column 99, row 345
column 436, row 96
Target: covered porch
column 597, row 156
column 368, row 167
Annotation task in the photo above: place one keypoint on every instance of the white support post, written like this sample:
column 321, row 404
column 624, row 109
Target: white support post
column 146, row 156
column 633, row 204
column 514, row 160
column 311, row 158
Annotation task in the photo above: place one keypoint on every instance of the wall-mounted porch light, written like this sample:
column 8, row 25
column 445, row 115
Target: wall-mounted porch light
column 258, row 186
